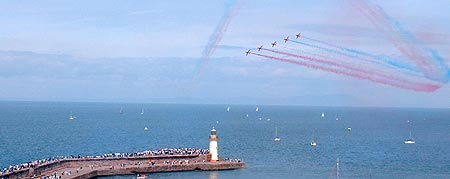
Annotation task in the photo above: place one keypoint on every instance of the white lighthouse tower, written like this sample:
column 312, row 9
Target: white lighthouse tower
column 213, row 147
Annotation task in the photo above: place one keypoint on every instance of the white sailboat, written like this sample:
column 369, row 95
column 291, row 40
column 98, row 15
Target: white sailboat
column 228, row 108
column 276, row 139
column 257, row 109
column 72, row 116
column 313, row 141
column 338, row 175
column 323, row 114
column 409, row 140
column 142, row 112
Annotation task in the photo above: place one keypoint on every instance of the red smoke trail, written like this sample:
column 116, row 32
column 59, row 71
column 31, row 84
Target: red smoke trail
column 424, row 87
column 334, row 63
column 331, row 62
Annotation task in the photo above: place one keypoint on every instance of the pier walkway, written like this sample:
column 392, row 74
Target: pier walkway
column 89, row 167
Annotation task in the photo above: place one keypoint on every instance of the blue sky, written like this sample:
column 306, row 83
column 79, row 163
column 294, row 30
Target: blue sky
column 149, row 51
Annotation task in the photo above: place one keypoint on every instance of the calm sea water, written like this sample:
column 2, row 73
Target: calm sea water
column 372, row 149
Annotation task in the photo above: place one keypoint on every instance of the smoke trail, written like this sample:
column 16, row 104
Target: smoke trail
column 356, row 56
column 424, row 87
column 374, row 58
column 431, row 63
column 323, row 48
column 349, row 67
column 408, row 72
column 230, row 11
column 305, row 52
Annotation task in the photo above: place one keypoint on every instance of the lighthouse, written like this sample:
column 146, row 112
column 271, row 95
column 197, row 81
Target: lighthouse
column 213, row 147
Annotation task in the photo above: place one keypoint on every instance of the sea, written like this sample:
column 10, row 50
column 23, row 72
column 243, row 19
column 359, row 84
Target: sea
column 373, row 148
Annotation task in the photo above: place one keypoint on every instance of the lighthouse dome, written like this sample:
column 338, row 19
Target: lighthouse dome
column 213, row 131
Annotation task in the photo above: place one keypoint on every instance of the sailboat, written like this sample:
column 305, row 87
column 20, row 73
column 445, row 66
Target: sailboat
column 121, row 111
column 276, row 139
column 338, row 175
column 72, row 116
column 313, row 142
column 228, row 108
column 410, row 140
column 323, row 114
column 142, row 112
column 257, row 109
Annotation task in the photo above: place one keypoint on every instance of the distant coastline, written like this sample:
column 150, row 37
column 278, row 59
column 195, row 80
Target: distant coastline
column 159, row 102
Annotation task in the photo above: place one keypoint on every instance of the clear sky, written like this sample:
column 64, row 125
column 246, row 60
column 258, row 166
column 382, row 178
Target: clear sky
column 150, row 51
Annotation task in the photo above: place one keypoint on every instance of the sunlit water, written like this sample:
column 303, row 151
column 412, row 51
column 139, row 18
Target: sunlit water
column 372, row 149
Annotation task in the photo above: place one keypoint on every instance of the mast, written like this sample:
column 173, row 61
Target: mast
column 276, row 131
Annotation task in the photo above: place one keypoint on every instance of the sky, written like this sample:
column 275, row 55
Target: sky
column 154, row 51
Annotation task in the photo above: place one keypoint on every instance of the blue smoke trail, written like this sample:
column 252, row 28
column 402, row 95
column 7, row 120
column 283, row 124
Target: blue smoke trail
column 430, row 63
column 216, row 36
column 323, row 48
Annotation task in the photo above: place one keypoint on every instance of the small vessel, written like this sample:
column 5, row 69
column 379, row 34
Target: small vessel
column 72, row 116
column 142, row 112
column 257, row 109
column 145, row 129
column 228, row 108
column 338, row 175
column 313, row 141
column 276, row 139
column 246, row 115
column 323, row 114
column 409, row 140
column 121, row 111
column 349, row 128
column 141, row 176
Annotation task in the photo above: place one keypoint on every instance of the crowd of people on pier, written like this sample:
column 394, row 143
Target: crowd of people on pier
column 160, row 152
